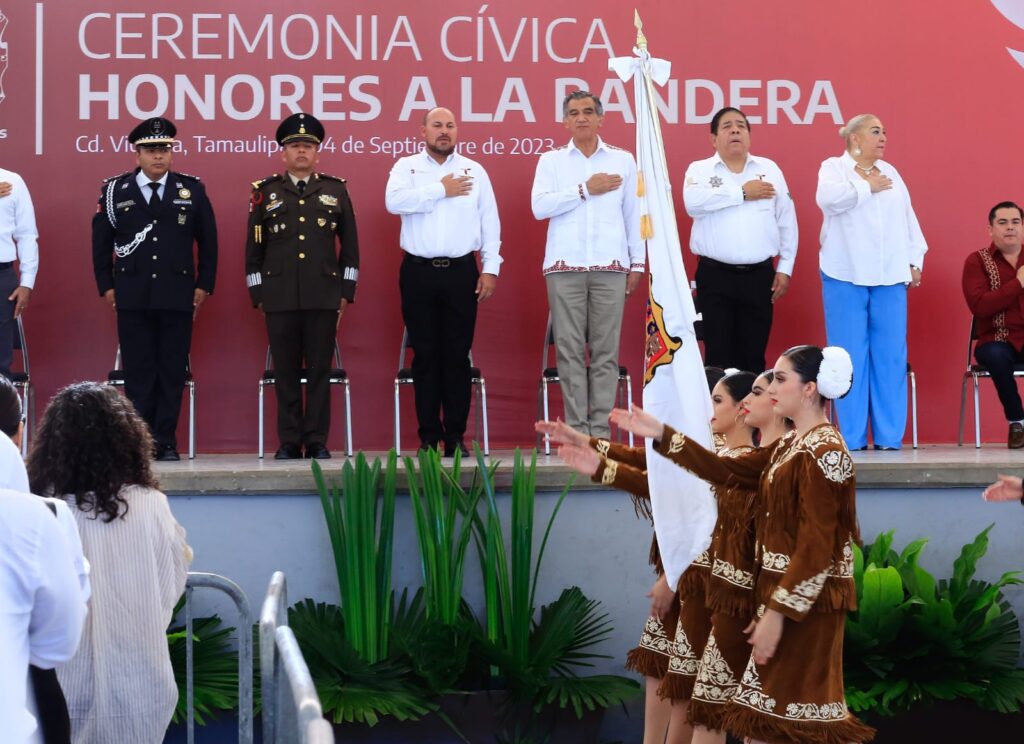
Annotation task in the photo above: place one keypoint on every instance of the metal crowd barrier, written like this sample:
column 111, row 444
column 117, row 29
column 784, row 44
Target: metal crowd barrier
column 213, row 581
column 291, row 707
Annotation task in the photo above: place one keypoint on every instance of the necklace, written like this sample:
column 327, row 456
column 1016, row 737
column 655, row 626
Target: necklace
column 862, row 169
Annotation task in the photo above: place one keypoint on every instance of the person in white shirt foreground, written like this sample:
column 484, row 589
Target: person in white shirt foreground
column 94, row 450
column 594, row 258
column 872, row 250
column 45, row 699
column 448, row 213
column 43, row 592
column 743, row 217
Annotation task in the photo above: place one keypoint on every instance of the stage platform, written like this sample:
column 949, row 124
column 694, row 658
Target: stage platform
column 931, row 466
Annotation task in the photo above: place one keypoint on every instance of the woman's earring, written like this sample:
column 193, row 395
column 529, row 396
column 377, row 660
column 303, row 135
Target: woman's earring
column 856, row 152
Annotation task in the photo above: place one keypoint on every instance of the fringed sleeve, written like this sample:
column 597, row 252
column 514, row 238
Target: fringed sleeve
column 735, row 472
column 633, row 456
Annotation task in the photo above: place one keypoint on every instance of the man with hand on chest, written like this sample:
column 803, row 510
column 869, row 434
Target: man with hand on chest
column 146, row 224
column 301, row 266
column 449, row 214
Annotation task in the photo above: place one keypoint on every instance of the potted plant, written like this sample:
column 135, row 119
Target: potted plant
column 927, row 656
column 427, row 658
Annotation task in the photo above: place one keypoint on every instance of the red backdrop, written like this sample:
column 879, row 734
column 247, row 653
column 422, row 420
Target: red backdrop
column 78, row 78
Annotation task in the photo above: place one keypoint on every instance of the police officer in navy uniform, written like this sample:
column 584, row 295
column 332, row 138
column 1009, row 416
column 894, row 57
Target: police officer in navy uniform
column 301, row 265
column 143, row 233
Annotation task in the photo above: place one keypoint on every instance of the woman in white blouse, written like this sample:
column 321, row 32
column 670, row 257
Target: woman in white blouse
column 872, row 250
column 94, row 450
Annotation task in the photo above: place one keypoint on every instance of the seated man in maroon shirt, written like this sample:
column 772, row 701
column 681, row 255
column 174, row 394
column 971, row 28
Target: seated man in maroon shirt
column 993, row 285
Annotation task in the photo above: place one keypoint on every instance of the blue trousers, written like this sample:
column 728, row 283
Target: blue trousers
column 871, row 324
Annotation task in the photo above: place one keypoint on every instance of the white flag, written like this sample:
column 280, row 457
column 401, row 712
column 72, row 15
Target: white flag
column 675, row 386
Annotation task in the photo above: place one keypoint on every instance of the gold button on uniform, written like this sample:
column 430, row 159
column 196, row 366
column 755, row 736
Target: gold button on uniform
column 155, row 238
column 302, row 201
column 154, row 276
column 302, row 219
column 154, row 258
column 302, row 237
column 302, row 255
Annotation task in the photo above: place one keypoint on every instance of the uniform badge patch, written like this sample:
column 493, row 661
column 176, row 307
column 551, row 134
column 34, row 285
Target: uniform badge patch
column 321, row 221
column 660, row 346
column 715, row 182
column 184, row 194
column 273, row 205
column 328, row 201
column 128, row 203
column 181, row 218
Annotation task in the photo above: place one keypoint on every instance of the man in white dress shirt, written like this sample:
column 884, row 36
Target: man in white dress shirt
column 593, row 259
column 19, row 241
column 448, row 214
column 743, row 217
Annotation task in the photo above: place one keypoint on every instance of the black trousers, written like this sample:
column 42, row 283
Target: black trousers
column 51, row 706
column 154, row 353
column 1000, row 358
column 736, row 307
column 8, row 283
column 298, row 336
column 439, row 308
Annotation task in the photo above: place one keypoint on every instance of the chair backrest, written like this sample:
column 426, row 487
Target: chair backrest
column 298, row 704
column 20, row 344
column 971, row 338
column 273, row 613
column 549, row 342
column 269, row 364
column 405, row 345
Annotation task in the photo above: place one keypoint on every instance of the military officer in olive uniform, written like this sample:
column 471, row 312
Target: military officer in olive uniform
column 302, row 282
column 143, row 233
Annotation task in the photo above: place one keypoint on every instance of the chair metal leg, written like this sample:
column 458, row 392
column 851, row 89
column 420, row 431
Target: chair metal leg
column 913, row 405
column 398, row 423
column 963, row 411
column 192, row 420
column 260, row 451
column 547, row 416
column 629, row 402
column 348, row 419
column 977, row 415
column 483, row 410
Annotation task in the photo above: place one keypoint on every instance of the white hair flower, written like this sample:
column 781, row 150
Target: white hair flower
column 835, row 376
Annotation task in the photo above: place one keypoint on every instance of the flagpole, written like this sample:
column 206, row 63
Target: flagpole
column 641, row 44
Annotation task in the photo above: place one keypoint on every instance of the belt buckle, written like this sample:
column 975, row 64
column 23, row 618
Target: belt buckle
column 440, row 263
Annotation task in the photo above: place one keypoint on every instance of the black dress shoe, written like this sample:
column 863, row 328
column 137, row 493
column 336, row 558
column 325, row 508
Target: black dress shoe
column 317, row 452
column 168, row 453
column 425, row 445
column 288, row 452
column 450, row 447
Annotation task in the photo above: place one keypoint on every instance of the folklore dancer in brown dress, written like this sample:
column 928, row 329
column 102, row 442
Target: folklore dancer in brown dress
column 792, row 687
column 730, row 596
column 606, row 464
column 628, row 472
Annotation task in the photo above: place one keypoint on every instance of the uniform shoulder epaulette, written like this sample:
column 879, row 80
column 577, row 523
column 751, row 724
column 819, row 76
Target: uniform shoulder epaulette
column 264, row 181
column 327, row 177
column 120, row 175
column 186, row 176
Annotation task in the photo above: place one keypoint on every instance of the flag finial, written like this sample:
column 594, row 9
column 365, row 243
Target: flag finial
column 641, row 40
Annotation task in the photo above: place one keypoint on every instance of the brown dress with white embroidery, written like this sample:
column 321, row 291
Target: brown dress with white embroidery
column 625, row 468
column 729, row 602
column 806, row 489
column 695, row 613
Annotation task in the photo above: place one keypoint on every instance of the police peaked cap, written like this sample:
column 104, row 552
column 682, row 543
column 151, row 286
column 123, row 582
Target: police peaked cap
column 155, row 131
column 300, row 128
